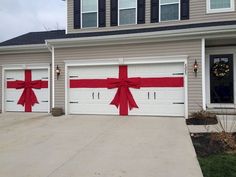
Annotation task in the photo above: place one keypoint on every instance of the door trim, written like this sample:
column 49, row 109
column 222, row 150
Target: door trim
column 24, row 67
column 129, row 61
column 219, row 51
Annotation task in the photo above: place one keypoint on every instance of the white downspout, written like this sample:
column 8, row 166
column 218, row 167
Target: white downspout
column 203, row 74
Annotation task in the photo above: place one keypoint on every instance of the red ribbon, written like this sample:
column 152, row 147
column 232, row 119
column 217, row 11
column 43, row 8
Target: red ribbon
column 124, row 98
column 28, row 97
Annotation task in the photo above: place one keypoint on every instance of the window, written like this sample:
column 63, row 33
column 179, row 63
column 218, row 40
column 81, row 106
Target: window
column 169, row 10
column 89, row 13
column 127, row 10
column 214, row 6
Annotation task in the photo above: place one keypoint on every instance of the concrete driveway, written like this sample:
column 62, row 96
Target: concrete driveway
column 37, row 145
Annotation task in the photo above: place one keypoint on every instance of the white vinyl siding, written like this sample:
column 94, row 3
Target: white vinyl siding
column 89, row 13
column 215, row 6
column 169, row 10
column 127, row 12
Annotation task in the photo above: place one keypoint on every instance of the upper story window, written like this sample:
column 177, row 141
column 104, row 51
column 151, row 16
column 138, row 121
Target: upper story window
column 127, row 12
column 89, row 13
column 169, row 10
column 214, row 6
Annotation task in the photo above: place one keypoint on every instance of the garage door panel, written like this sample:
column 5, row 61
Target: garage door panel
column 161, row 101
column 12, row 95
column 92, row 100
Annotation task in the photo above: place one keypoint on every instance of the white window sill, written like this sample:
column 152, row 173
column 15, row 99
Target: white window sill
column 213, row 11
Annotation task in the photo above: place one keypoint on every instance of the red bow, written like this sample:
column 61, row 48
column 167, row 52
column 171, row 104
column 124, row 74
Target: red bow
column 28, row 97
column 123, row 95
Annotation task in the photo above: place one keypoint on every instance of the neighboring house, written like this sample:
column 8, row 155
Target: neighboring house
column 166, row 57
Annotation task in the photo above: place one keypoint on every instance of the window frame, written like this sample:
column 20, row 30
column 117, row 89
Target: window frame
column 136, row 14
column 81, row 14
column 170, row 4
column 220, row 10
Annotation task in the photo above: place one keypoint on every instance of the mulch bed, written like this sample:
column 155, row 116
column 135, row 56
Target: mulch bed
column 204, row 145
column 205, row 121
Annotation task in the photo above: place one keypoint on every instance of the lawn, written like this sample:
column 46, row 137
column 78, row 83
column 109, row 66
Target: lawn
column 220, row 165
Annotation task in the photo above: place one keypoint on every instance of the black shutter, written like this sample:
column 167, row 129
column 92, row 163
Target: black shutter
column 141, row 11
column 76, row 14
column 154, row 11
column 184, row 9
column 114, row 12
column 102, row 13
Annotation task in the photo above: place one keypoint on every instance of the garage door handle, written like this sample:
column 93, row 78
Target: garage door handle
column 74, row 76
column 155, row 95
column 99, row 95
column 93, row 95
column 10, row 101
column 74, row 102
column 44, row 77
column 178, row 74
column 9, row 78
column 45, row 101
column 178, row 103
column 148, row 95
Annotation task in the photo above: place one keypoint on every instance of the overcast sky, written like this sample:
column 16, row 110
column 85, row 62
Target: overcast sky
column 21, row 16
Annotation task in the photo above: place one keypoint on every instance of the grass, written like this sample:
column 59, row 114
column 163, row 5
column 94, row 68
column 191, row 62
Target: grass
column 221, row 165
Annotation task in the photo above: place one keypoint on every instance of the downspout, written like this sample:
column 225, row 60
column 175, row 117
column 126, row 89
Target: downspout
column 204, row 74
column 51, row 49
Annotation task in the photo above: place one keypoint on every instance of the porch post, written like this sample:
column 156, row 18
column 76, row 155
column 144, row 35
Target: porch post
column 203, row 74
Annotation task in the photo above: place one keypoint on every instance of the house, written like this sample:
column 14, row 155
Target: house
column 126, row 57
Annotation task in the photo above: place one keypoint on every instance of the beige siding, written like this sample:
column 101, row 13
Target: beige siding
column 190, row 48
column 26, row 58
column 197, row 15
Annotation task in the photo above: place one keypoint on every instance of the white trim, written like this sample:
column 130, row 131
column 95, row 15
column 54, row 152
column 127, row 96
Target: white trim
column 67, row 17
column 203, row 74
column 179, row 17
column 53, row 77
column 129, row 61
column 66, row 89
column 23, row 67
column 136, row 14
column 209, row 10
column 219, row 51
column 82, row 12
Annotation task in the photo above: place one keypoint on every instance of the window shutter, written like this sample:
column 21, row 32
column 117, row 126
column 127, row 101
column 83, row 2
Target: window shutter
column 141, row 11
column 102, row 13
column 76, row 14
column 154, row 11
column 184, row 9
column 114, row 12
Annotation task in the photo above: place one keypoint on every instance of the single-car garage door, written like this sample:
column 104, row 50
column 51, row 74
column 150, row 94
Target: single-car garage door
column 147, row 89
column 26, row 90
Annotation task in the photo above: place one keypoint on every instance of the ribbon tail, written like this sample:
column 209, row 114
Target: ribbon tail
column 34, row 99
column 131, row 101
column 116, row 100
column 22, row 100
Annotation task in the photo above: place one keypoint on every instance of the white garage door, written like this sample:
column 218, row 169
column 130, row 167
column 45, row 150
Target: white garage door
column 89, row 94
column 26, row 90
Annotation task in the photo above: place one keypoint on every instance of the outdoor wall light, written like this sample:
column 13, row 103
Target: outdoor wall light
column 195, row 68
column 58, row 72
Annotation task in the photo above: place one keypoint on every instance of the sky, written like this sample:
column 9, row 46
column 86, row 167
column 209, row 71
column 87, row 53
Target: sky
column 18, row 17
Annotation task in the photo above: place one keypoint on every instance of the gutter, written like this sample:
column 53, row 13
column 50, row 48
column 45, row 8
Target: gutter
column 23, row 48
column 169, row 35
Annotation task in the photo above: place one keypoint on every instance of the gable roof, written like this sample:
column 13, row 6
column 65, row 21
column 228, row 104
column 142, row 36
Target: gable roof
column 40, row 37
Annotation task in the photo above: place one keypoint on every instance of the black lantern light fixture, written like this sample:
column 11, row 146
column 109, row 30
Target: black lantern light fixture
column 58, row 72
column 195, row 68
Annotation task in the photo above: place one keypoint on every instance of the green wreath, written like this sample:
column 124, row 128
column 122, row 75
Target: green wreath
column 220, row 69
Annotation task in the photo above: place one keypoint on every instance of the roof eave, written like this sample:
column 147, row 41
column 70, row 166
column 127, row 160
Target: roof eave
column 23, row 48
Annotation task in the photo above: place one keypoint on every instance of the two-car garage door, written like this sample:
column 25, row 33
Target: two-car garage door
column 91, row 96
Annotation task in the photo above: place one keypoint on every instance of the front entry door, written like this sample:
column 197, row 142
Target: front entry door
column 221, row 78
